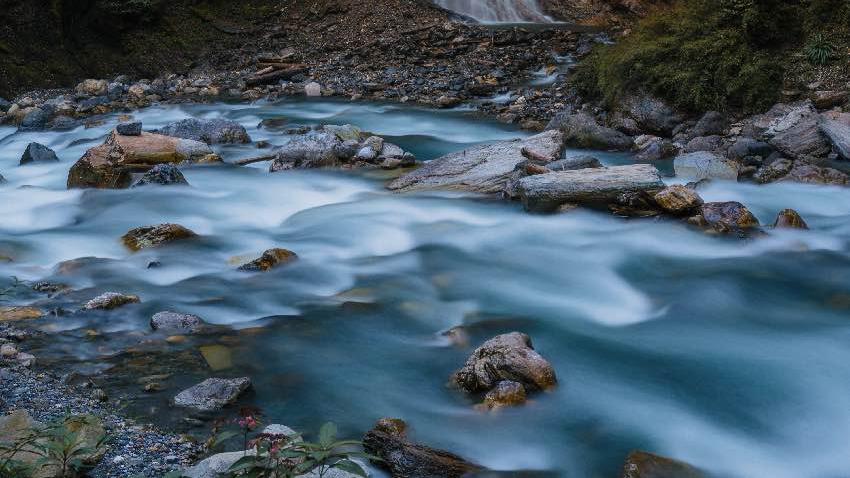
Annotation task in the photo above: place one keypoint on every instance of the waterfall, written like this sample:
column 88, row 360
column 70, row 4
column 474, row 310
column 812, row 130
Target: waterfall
column 498, row 11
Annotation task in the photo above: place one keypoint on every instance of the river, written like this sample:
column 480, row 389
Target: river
column 728, row 354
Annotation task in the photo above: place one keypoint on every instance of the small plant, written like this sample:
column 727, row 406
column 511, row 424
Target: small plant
column 819, row 51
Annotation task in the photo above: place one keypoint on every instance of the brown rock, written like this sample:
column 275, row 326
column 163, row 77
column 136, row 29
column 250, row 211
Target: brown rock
column 13, row 314
column 811, row 174
column 153, row 236
column 678, row 199
column 506, row 357
column 790, row 219
column 505, row 394
column 270, row 259
column 732, row 214
column 640, row 464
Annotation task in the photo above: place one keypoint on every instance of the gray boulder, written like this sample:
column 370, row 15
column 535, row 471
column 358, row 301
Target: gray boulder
column 653, row 148
column 573, row 163
column 36, row 118
column 38, row 153
column 651, row 114
column 640, row 464
column 316, row 149
column 582, row 131
column 212, row 393
column 163, row 175
column 175, row 321
column 743, row 147
column 794, row 131
column 838, row 134
column 505, row 357
column 484, row 168
column 704, row 143
column 594, row 186
column 132, row 128
column 210, row 131
column 712, row 123
column 705, row 165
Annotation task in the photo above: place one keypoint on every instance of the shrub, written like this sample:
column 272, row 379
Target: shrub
column 819, row 50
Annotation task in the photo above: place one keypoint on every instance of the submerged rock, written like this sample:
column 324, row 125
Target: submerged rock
column 789, row 219
column 175, row 321
column 705, row 165
column 270, row 259
column 210, row 131
column 163, row 175
column 388, row 441
column 640, row 464
column 153, row 236
column 484, row 169
column 111, row 300
column 38, row 153
column 678, row 200
column 505, row 357
column 212, row 393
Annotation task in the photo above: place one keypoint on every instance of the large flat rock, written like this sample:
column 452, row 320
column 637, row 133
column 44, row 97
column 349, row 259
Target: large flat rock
column 546, row 192
column 483, row 169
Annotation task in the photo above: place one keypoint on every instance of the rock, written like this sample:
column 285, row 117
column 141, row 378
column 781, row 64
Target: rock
column 774, row 171
column 388, row 441
column 218, row 357
column 270, row 259
column 8, row 351
column 704, row 143
column 811, row 174
column 175, row 321
column 573, row 163
column 711, row 123
column 506, row 393
column 38, row 153
column 678, row 200
column 153, row 236
column 346, row 132
column 389, row 150
column 484, row 168
column 446, row 101
column 216, row 465
column 794, row 131
column 315, row 149
column 653, row 148
column 640, row 464
column 582, row 131
column 114, row 91
column 133, row 128
column 212, row 393
column 4, row 105
column 744, row 147
column 825, row 99
column 728, row 216
column 789, row 219
column 111, row 164
column 14, row 314
column 111, row 300
column 63, row 123
column 705, row 165
column 210, row 131
column 839, row 136
column 651, row 114
column 163, row 175
column 367, row 154
column 92, row 88
column 313, row 89
column 277, row 430
column 594, row 186
column 505, row 357
column 36, row 118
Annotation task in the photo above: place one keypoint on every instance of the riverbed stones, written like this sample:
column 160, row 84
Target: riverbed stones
column 592, row 186
column 162, row 175
column 705, row 165
column 210, row 131
column 582, row 131
column 789, row 219
column 213, row 393
column 131, row 128
column 403, row 458
column 38, row 153
column 838, row 134
column 110, row 301
column 176, row 322
column 270, row 259
column 505, row 357
column 678, row 200
column 153, row 236
column 640, row 464
column 482, row 169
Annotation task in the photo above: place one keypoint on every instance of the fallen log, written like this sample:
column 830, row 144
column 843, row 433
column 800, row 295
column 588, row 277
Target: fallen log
column 276, row 75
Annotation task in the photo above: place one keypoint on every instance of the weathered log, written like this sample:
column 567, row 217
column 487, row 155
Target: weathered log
column 276, row 75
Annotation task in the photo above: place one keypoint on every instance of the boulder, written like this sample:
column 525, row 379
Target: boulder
column 38, row 153
column 678, row 200
column 593, row 186
column 505, row 357
column 705, row 165
column 14, row 314
column 582, row 131
column 640, row 464
column 825, row 99
column 789, row 219
column 711, row 123
column 743, row 147
column 811, row 174
column 153, row 236
column 653, row 148
column 92, row 88
column 36, row 118
column 5, row 105
column 838, row 134
column 213, row 393
column 111, row 300
column 270, row 259
column 163, row 175
column 506, row 393
column 216, row 466
column 111, row 164
column 484, row 168
column 132, row 128
column 210, row 131
column 313, row 89
column 704, row 143
column 402, row 458
column 175, row 321
column 727, row 216
column 651, row 114
column 794, row 130
column 573, row 163
column 315, row 149
column 774, row 171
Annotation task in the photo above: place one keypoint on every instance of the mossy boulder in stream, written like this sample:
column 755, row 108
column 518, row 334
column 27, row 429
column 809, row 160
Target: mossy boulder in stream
column 153, row 236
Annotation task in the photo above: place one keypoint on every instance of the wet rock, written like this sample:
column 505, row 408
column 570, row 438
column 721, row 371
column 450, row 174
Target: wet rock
column 743, row 147
column 573, row 163
column 640, row 464
column 50, row 288
column 388, row 441
column 36, row 118
column 38, row 153
column 270, row 259
column 153, row 236
column 728, row 216
column 506, row 393
column 210, row 131
column 839, row 136
column 705, row 165
column 704, row 143
column 92, row 88
column 63, row 123
column 485, row 168
column 653, row 148
column 811, row 174
column 593, row 186
column 582, row 131
column 8, row 351
column 505, row 357
column 111, row 300
column 315, row 149
column 678, row 200
column 14, row 314
column 711, row 123
column 789, row 219
column 175, row 321
column 774, row 171
column 133, row 128
column 212, row 393
column 4, row 105
column 651, row 114
column 163, row 175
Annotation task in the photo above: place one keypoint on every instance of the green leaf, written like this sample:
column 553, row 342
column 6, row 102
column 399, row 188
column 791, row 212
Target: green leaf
column 327, row 434
column 351, row 467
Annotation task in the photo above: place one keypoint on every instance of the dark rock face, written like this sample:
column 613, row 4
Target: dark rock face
column 163, row 175
column 270, row 259
column 212, row 393
column 640, row 464
column 789, row 219
column 582, row 131
column 505, row 357
column 133, row 128
column 175, row 321
column 214, row 131
column 38, row 153
column 153, row 236
column 405, row 459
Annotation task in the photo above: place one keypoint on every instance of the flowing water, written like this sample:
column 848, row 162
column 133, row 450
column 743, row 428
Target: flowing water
column 499, row 11
column 729, row 354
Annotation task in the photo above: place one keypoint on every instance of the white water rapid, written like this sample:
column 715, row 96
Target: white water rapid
column 499, row 11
